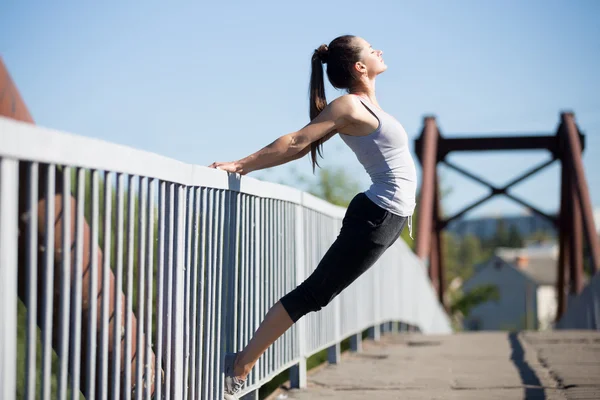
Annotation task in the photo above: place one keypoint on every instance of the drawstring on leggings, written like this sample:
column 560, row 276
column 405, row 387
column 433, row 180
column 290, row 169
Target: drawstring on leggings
column 410, row 227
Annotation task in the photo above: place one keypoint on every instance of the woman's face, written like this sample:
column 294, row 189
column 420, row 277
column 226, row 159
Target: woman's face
column 371, row 58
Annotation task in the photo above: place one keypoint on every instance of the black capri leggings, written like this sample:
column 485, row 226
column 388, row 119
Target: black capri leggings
column 367, row 232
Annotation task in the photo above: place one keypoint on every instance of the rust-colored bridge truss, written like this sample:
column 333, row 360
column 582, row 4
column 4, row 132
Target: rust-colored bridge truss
column 573, row 222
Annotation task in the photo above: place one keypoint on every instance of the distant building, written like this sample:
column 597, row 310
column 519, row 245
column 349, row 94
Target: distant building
column 485, row 228
column 526, row 281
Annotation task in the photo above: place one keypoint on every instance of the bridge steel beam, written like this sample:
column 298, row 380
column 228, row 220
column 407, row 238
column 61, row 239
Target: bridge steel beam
column 575, row 218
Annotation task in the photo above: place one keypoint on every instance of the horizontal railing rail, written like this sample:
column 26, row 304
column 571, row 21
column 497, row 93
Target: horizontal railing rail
column 125, row 274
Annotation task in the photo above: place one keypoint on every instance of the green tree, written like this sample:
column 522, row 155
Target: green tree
column 465, row 302
column 540, row 236
column 335, row 185
column 514, row 237
column 501, row 236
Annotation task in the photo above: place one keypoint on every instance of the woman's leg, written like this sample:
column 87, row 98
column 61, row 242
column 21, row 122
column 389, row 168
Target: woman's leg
column 276, row 323
column 366, row 233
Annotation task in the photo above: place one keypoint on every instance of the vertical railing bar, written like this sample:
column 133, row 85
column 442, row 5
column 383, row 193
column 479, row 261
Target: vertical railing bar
column 285, row 273
column 273, row 234
column 237, row 327
column 239, row 322
column 257, row 304
column 149, row 365
column 209, row 364
column 247, row 261
column 65, row 284
column 251, row 251
column 32, row 280
column 179, row 291
column 129, row 299
column 220, row 267
column 315, row 336
column 245, row 282
column 276, row 268
column 268, row 283
column 272, row 248
column 93, row 294
column 218, row 240
column 141, row 239
column 249, row 284
column 48, row 287
column 118, row 317
column 279, row 267
column 216, row 282
column 104, row 322
column 160, row 276
column 195, row 279
column 264, row 274
column 290, row 255
column 252, row 285
column 202, row 206
column 187, row 309
column 170, row 278
column 76, row 315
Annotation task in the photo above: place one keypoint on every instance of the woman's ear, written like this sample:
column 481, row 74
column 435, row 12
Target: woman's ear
column 360, row 68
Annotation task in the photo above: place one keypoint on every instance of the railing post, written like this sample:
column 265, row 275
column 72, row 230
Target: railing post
column 375, row 330
column 298, row 371
column 375, row 333
column 9, row 209
column 334, row 352
column 356, row 343
column 385, row 328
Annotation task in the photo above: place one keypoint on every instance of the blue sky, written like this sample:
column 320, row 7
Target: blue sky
column 216, row 81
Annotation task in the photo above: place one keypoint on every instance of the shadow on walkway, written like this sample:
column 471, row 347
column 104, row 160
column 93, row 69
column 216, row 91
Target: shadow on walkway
column 531, row 382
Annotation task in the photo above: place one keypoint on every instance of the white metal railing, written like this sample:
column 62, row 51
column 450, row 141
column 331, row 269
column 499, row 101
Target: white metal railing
column 583, row 310
column 193, row 258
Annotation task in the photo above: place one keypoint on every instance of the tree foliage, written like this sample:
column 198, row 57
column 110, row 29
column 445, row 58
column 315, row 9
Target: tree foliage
column 465, row 302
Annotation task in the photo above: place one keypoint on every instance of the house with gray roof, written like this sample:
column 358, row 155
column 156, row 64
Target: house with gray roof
column 526, row 282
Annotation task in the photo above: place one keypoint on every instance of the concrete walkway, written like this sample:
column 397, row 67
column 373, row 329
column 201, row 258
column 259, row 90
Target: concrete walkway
column 482, row 366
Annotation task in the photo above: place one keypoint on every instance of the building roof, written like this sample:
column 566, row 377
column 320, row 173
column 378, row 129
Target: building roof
column 540, row 264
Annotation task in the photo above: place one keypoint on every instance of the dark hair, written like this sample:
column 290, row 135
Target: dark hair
column 340, row 57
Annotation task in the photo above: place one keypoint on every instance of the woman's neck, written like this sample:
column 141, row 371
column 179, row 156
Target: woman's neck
column 367, row 91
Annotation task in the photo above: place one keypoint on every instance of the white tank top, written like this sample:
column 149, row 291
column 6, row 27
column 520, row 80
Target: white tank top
column 386, row 157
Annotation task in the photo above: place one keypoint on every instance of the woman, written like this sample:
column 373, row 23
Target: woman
column 374, row 219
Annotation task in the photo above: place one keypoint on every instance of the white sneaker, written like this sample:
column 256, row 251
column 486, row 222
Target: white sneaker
column 233, row 384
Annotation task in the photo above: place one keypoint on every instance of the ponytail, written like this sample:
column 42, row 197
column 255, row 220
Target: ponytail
column 340, row 56
column 317, row 102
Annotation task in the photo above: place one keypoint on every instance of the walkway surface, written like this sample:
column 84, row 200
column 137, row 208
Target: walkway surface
column 482, row 366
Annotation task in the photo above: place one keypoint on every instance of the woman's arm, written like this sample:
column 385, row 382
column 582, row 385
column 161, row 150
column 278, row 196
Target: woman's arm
column 337, row 115
column 301, row 154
